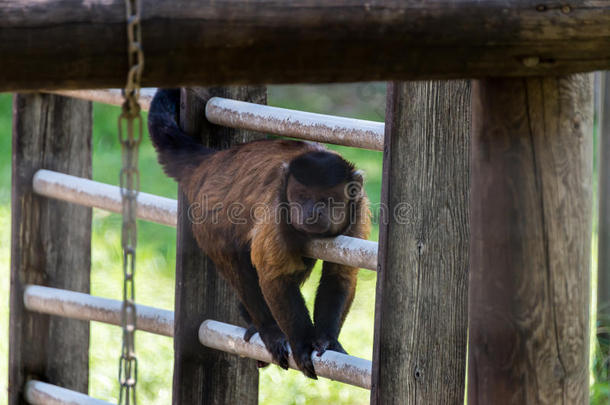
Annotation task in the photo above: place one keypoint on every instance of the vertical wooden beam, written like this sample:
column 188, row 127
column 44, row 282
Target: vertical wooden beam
column 421, row 309
column 531, row 235
column 50, row 242
column 603, row 264
column 203, row 375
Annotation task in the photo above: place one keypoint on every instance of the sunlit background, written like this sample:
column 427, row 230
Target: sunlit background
column 157, row 253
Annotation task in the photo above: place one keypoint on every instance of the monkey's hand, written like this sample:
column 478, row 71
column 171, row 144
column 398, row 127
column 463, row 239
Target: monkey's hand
column 276, row 344
column 301, row 353
column 324, row 343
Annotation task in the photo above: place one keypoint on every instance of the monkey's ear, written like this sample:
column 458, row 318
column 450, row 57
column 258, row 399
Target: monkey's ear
column 354, row 187
column 358, row 177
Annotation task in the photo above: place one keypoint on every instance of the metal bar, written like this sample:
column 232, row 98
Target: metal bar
column 40, row 393
column 75, row 305
column 342, row 249
column 99, row 195
column 263, row 118
column 336, row 366
column 296, row 124
column 346, row 250
column 107, row 96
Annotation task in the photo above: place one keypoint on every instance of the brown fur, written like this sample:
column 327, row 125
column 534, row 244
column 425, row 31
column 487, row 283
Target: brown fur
column 252, row 175
column 224, row 190
column 262, row 255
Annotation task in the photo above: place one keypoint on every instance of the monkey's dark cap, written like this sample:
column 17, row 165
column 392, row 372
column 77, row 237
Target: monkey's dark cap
column 322, row 169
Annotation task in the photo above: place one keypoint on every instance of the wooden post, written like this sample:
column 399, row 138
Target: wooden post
column 531, row 236
column 50, row 242
column 420, row 315
column 603, row 264
column 203, row 375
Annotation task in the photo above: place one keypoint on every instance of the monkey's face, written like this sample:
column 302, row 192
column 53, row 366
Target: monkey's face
column 320, row 211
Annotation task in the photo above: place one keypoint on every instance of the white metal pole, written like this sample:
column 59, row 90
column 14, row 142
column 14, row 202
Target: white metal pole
column 342, row 249
column 75, row 305
column 336, row 366
column 40, row 393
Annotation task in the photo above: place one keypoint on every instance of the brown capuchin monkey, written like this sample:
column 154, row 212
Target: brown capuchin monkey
column 253, row 208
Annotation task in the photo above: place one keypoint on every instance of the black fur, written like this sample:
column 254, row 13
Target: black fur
column 323, row 169
column 176, row 151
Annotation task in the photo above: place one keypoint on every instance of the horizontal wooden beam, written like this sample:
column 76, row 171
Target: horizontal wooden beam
column 334, row 365
column 41, row 393
column 343, row 249
column 75, row 305
column 108, row 96
column 74, row 44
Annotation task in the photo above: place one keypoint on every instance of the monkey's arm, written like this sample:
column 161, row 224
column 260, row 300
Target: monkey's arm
column 333, row 301
column 338, row 286
column 280, row 274
column 287, row 305
column 256, row 309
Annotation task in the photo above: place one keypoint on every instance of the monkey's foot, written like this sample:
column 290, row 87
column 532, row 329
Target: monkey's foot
column 301, row 353
column 251, row 331
column 276, row 344
column 323, row 344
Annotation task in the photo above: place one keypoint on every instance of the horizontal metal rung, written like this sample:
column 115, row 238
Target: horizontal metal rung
column 75, row 305
column 296, row 124
column 40, row 393
column 343, row 249
column 105, row 196
column 336, row 366
column 263, row 118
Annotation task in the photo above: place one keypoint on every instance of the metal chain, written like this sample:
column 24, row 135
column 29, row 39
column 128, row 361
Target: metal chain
column 130, row 135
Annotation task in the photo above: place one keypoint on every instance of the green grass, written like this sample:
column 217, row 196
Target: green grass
column 157, row 253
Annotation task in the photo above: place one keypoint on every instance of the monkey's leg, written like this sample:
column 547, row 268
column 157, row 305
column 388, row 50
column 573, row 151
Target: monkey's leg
column 256, row 309
column 284, row 297
column 333, row 301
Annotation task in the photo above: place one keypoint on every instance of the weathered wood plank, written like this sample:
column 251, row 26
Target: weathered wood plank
column 74, row 44
column 422, row 287
column 531, row 236
column 603, row 264
column 50, row 242
column 203, row 375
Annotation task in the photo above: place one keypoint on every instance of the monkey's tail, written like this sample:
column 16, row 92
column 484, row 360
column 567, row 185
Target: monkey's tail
column 177, row 152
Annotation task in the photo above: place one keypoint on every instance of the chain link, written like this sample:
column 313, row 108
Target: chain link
column 130, row 135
